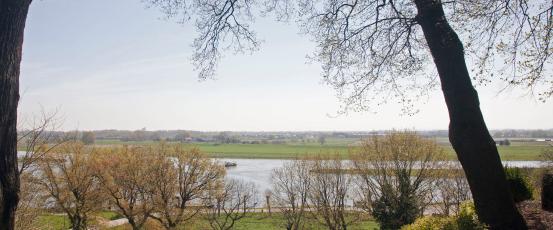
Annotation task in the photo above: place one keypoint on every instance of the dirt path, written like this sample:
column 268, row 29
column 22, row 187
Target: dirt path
column 536, row 218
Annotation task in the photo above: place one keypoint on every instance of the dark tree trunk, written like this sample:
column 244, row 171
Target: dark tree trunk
column 547, row 192
column 468, row 133
column 268, row 200
column 13, row 14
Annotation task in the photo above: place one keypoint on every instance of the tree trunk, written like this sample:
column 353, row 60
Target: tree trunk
column 268, row 201
column 468, row 133
column 13, row 14
column 547, row 192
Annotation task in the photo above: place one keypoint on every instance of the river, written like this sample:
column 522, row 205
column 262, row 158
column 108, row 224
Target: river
column 259, row 171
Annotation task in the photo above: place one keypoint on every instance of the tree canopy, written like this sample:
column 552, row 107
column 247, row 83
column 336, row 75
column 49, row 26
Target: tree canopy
column 373, row 52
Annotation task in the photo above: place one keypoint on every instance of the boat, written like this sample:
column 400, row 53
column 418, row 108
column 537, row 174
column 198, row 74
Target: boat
column 230, row 164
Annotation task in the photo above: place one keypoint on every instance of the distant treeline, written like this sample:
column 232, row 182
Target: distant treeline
column 266, row 137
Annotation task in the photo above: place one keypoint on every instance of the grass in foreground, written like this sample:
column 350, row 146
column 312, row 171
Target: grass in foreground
column 50, row 221
column 258, row 221
column 53, row 222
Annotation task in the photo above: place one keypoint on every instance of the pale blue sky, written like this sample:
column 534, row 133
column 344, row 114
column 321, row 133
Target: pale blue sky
column 117, row 65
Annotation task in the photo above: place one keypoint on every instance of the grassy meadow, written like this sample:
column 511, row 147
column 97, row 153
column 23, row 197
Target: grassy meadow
column 518, row 150
column 258, row 221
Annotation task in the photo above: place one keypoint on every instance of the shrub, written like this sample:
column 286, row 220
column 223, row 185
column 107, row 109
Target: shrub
column 519, row 184
column 466, row 220
column 432, row 222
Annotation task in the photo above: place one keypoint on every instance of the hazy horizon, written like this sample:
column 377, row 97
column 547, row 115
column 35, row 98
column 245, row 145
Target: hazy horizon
column 117, row 65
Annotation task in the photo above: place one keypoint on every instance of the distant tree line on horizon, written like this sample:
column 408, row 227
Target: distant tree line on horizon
column 229, row 137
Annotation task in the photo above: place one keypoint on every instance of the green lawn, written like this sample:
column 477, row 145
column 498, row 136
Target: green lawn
column 274, row 222
column 49, row 221
column 519, row 150
column 259, row 221
column 53, row 222
column 109, row 215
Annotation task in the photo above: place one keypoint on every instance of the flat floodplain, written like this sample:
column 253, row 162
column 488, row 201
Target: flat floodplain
column 520, row 149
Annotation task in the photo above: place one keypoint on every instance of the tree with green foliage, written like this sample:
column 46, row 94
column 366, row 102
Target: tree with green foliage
column 393, row 210
column 519, row 184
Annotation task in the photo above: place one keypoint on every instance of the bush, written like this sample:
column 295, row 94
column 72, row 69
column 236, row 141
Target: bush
column 519, row 184
column 466, row 220
column 432, row 222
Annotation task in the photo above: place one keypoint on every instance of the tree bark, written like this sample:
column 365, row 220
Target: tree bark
column 547, row 192
column 468, row 133
column 13, row 14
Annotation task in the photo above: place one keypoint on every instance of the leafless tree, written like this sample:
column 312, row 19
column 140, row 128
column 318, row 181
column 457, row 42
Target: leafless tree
column 182, row 177
column 229, row 203
column 126, row 178
column 268, row 194
column 451, row 190
column 330, row 191
column 291, row 186
column 37, row 137
column 508, row 40
column 31, row 197
column 364, row 43
column 67, row 176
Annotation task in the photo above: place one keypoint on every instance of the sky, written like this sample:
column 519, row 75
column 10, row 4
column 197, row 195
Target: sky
column 107, row 64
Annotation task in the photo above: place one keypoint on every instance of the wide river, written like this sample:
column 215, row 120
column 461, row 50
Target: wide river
column 259, row 171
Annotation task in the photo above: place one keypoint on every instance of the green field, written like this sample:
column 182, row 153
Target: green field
column 519, row 150
column 258, row 221
column 53, row 222
column 50, row 221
